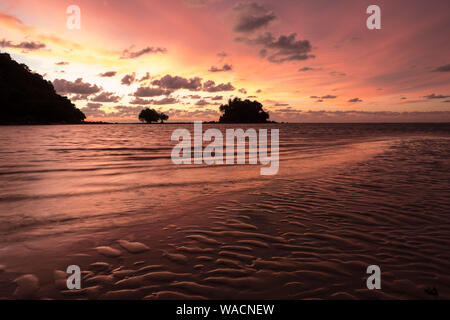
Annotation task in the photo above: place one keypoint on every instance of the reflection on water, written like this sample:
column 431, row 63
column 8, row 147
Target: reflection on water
column 64, row 177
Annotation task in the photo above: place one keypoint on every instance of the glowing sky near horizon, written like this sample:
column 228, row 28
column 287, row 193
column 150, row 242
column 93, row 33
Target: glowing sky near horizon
column 247, row 48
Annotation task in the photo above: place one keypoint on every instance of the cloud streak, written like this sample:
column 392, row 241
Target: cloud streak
column 225, row 67
column 108, row 74
column 26, row 45
column 128, row 54
column 251, row 17
column 436, row 96
column 445, row 68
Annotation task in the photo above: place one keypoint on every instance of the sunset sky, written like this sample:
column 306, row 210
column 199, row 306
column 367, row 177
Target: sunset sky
column 308, row 60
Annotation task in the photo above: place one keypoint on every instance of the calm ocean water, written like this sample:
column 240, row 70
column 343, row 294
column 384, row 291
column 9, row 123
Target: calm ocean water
column 64, row 178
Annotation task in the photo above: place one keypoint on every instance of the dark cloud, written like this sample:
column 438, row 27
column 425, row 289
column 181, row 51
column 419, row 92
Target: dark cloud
column 355, row 100
column 243, row 91
column 128, row 79
column 151, row 92
column 305, row 69
column 281, row 49
column 252, row 23
column 222, row 54
column 281, row 104
column 140, row 101
column 145, row 78
column 128, row 54
column 106, row 97
column 445, row 68
column 78, row 97
column 216, row 98
column 93, row 110
column 173, row 83
column 210, row 86
column 436, row 96
column 328, row 96
column 202, row 103
column 108, row 74
column 176, row 83
column 94, row 105
column 252, row 16
column 62, row 63
column 226, row 67
column 26, row 45
column 78, row 87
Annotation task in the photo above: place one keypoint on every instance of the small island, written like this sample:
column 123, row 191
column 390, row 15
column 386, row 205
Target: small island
column 151, row 115
column 243, row 111
column 27, row 98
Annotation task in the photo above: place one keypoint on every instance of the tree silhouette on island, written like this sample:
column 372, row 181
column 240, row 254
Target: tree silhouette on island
column 27, row 98
column 243, row 111
column 151, row 115
column 236, row 111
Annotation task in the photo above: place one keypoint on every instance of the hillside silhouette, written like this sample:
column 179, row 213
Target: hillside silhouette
column 27, row 98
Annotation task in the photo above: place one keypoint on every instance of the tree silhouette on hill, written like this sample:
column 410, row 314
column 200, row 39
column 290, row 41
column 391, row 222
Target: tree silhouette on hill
column 243, row 111
column 151, row 115
column 27, row 98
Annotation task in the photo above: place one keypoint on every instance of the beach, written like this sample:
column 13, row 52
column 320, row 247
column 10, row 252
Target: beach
column 108, row 199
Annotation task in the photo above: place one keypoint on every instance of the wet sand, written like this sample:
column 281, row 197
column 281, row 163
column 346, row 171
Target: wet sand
column 308, row 234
